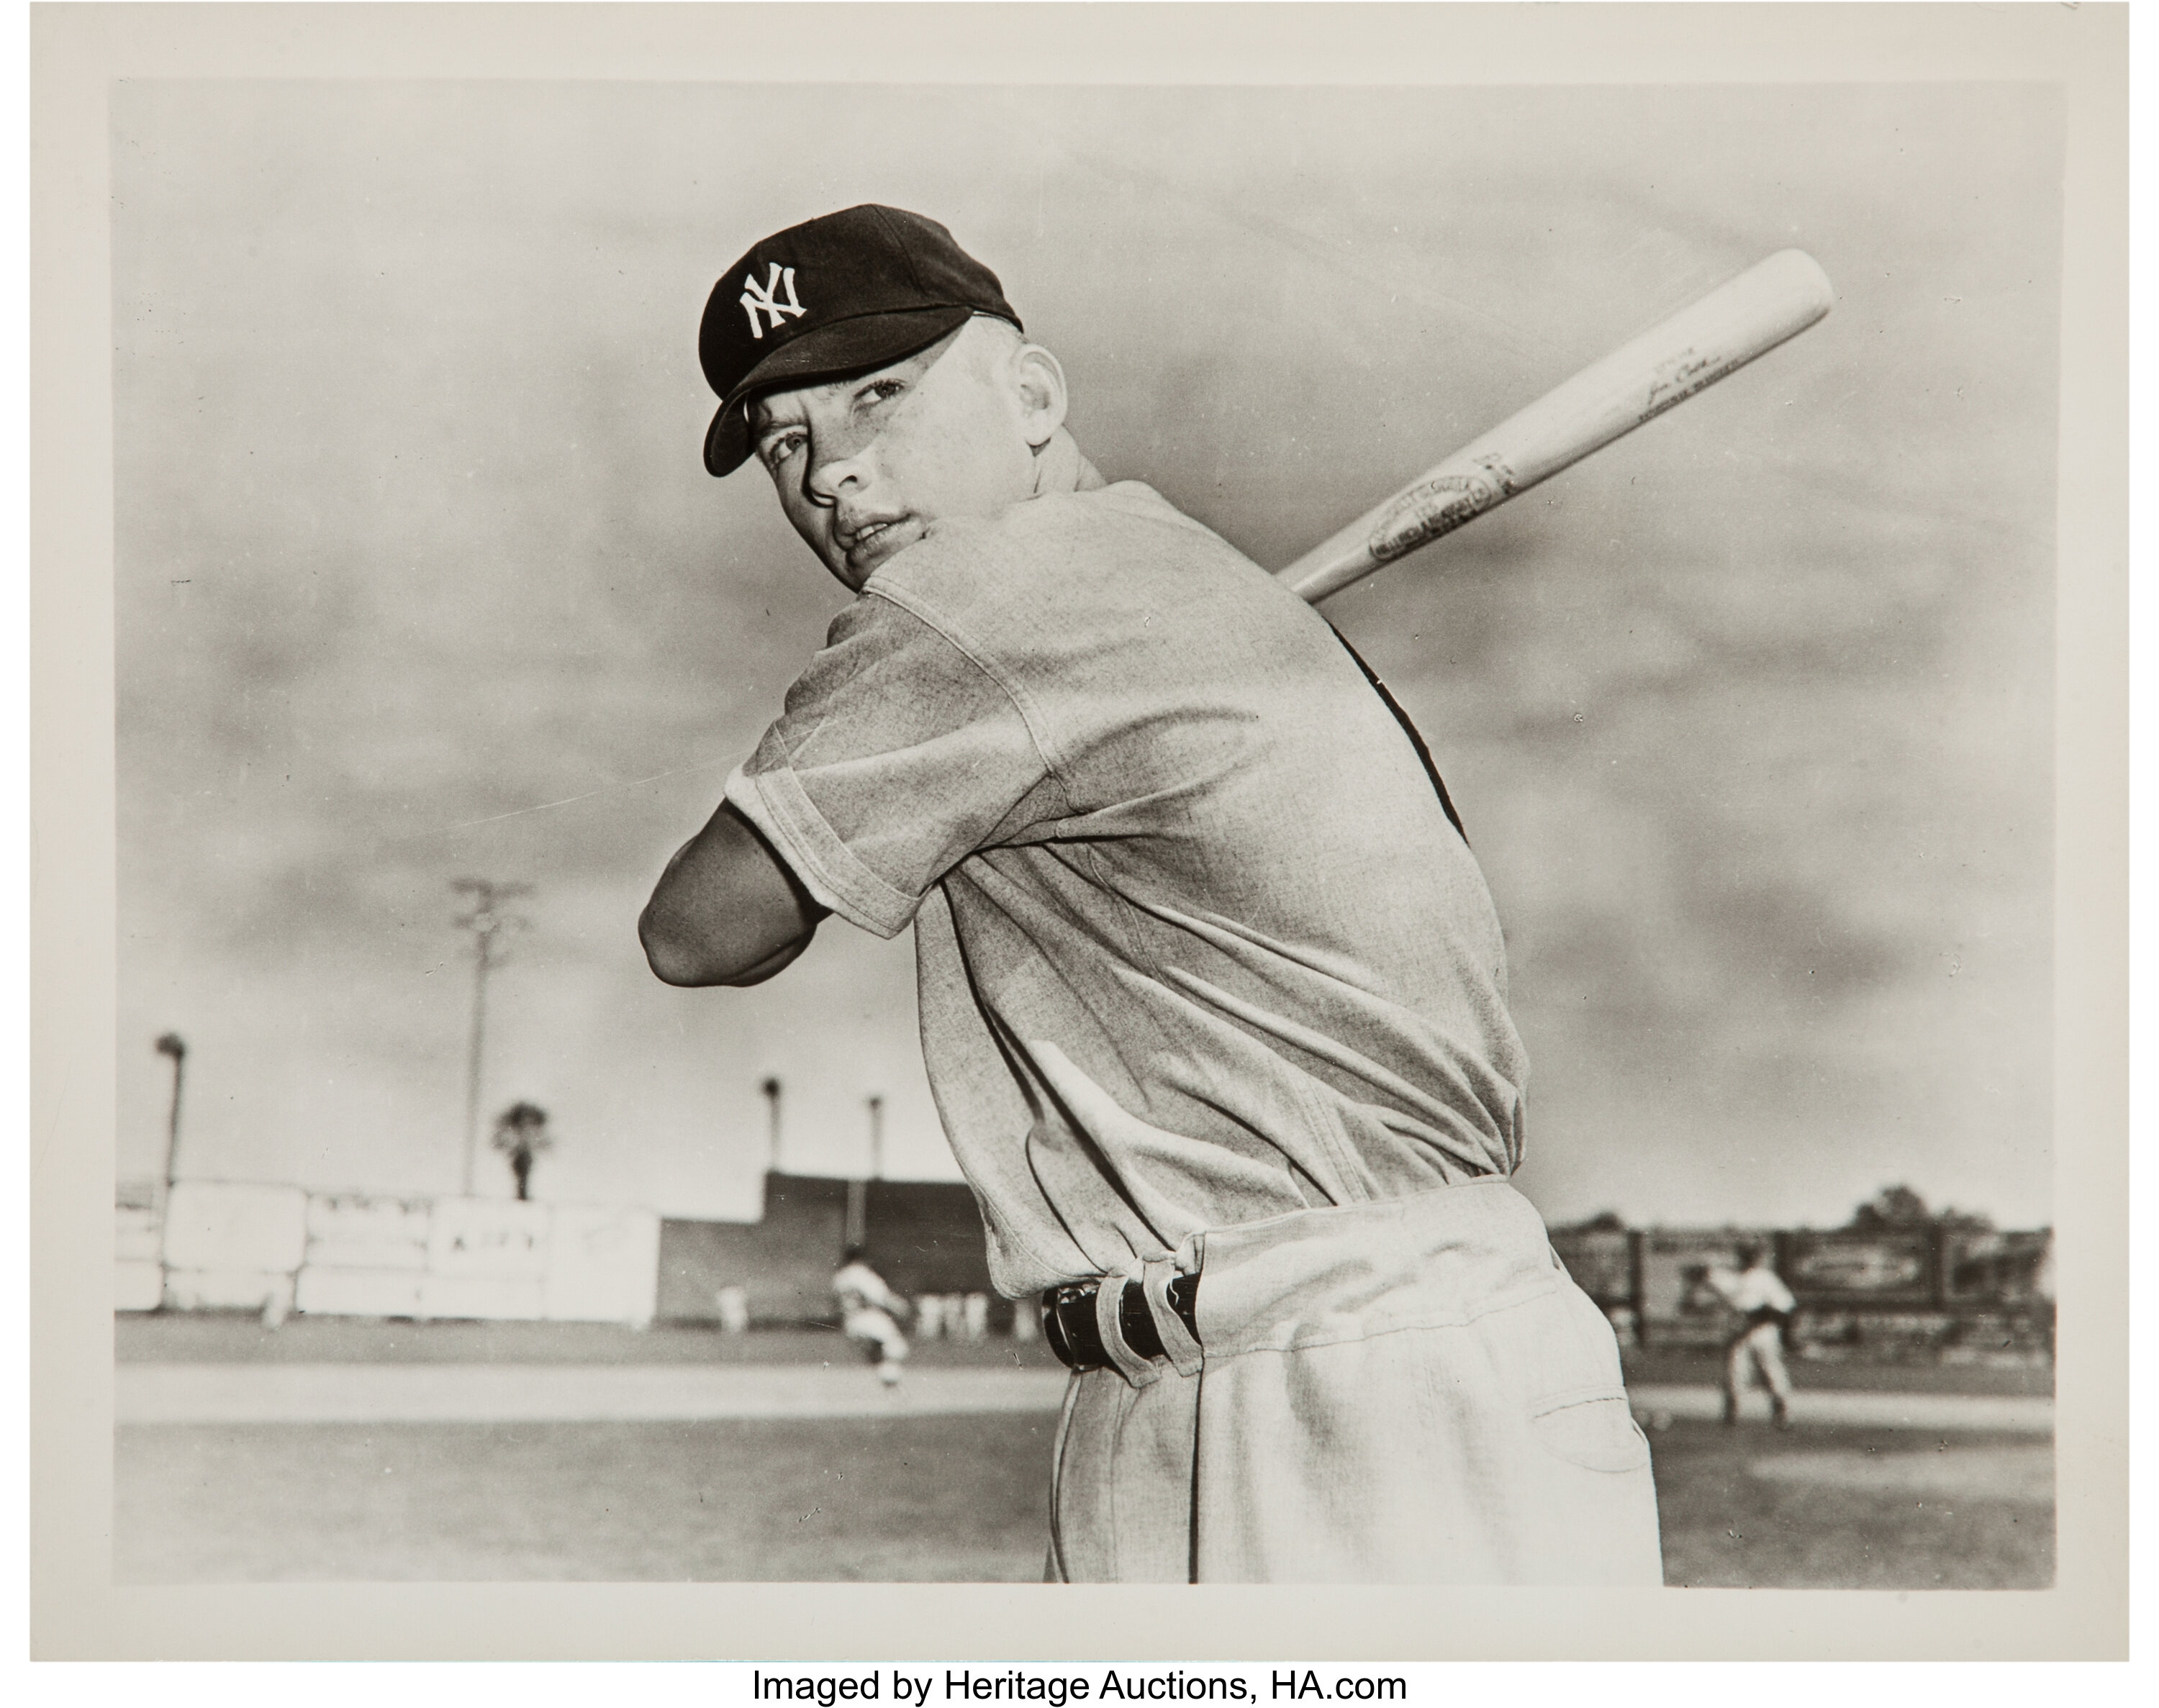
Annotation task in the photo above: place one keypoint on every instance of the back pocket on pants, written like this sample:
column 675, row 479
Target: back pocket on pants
column 1596, row 1431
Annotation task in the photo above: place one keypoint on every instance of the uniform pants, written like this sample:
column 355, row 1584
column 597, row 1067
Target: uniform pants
column 1405, row 1391
column 876, row 1329
column 1757, row 1348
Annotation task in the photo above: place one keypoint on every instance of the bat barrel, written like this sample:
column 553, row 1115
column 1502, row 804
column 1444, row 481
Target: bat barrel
column 1713, row 336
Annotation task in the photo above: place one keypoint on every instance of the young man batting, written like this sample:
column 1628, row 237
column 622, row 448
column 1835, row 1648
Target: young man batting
column 1213, row 995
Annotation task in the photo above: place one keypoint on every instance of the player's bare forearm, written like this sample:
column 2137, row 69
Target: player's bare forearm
column 726, row 910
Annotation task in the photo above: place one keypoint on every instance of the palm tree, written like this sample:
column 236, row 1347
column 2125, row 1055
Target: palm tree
column 520, row 1134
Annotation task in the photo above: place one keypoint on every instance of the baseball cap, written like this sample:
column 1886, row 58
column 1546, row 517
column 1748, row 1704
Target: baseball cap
column 837, row 295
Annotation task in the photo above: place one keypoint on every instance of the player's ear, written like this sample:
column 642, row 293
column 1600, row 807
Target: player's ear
column 1041, row 397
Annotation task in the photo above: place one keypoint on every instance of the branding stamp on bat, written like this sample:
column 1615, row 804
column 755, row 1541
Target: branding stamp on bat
column 1438, row 506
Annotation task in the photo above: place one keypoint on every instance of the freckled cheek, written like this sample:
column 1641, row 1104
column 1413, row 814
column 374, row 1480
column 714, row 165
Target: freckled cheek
column 953, row 483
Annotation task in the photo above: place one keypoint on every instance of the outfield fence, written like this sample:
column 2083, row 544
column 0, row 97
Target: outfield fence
column 1942, row 1290
column 1931, row 1289
column 237, row 1245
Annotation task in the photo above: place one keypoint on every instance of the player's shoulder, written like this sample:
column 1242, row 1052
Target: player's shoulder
column 1089, row 563
column 1111, row 525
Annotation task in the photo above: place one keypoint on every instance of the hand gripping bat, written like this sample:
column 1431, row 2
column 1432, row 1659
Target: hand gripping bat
column 1713, row 336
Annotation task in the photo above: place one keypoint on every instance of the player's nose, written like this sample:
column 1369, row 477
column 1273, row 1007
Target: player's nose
column 831, row 474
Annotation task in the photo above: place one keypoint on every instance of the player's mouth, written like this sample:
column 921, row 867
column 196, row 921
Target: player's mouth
column 867, row 544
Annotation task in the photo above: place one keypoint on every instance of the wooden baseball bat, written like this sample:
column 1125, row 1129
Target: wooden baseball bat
column 1711, row 337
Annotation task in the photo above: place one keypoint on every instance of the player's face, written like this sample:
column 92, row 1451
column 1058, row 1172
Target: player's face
column 864, row 465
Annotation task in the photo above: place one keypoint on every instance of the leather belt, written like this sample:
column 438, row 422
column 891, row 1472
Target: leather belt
column 1069, row 1324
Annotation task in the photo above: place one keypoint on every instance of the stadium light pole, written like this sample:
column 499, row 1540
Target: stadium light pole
column 770, row 1088
column 487, row 921
column 857, row 1229
column 858, row 1191
column 173, row 1045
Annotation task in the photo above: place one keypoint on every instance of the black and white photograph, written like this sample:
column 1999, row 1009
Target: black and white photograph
column 1049, row 828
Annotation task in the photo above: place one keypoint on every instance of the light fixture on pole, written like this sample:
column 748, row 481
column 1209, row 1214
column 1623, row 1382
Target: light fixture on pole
column 486, row 922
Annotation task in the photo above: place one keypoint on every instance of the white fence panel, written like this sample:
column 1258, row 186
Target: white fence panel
column 245, row 1247
column 228, row 1290
column 358, row 1293
column 360, row 1218
column 220, row 1225
column 137, row 1236
column 365, row 1253
column 486, row 1298
column 480, row 1237
column 137, row 1285
column 603, row 1264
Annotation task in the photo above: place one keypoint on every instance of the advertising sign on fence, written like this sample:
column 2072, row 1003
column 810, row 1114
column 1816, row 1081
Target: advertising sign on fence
column 1891, row 1266
column 363, row 1219
column 353, row 1230
column 500, row 1237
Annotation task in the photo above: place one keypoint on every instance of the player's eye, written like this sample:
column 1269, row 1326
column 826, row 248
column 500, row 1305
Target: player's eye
column 882, row 391
column 777, row 448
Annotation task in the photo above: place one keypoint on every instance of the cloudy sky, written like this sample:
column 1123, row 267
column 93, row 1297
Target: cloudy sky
column 420, row 577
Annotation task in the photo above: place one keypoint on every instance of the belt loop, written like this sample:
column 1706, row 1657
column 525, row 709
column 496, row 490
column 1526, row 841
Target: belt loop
column 1178, row 1345
column 1109, row 1297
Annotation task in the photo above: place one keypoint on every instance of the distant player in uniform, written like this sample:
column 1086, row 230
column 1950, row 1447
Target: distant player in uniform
column 1213, row 994
column 870, row 1314
column 1765, row 1306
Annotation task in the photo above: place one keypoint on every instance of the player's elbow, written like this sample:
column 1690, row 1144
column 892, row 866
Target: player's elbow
column 674, row 959
column 695, row 960
column 726, row 910
column 682, row 958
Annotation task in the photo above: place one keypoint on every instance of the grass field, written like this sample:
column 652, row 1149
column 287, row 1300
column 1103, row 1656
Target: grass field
column 1854, row 1509
column 904, row 1499
column 955, row 1499
column 949, row 1498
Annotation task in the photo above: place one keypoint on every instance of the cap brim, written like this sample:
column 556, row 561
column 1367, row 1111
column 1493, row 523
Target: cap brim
column 831, row 352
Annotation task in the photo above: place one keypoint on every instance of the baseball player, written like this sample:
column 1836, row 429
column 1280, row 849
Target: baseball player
column 1765, row 1306
column 1213, row 994
column 870, row 1312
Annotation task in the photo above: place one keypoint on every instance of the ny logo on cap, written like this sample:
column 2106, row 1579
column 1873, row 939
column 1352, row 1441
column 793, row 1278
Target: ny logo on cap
column 754, row 300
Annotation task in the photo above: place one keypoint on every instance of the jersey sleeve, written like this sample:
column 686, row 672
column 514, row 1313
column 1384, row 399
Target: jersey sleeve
column 897, row 755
